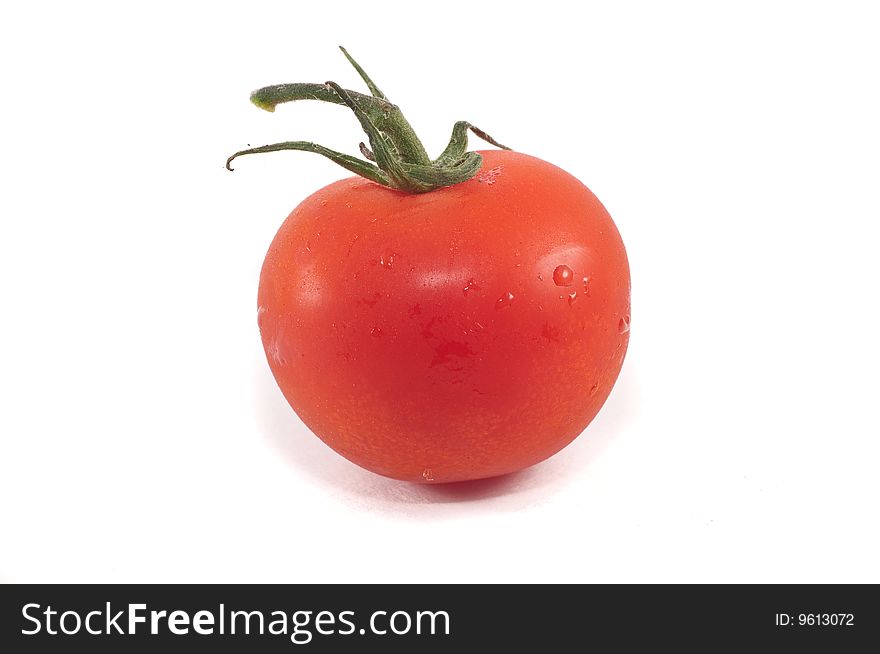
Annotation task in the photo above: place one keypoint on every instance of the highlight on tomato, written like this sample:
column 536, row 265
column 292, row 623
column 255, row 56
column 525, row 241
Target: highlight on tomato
column 441, row 319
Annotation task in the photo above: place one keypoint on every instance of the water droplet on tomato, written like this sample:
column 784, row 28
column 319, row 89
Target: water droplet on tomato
column 572, row 297
column 593, row 389
column 488, row 176
column 274, row 352
column 261, row 311
column 623, row 325
column 540, row 277
column 376, row 332
column 563, row 276
column 387, row 259
column 505, row 300
column 428, row 475
column 470, row 286
column 587, row 286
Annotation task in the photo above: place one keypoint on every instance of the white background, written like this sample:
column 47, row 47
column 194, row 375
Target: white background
column 142, row 437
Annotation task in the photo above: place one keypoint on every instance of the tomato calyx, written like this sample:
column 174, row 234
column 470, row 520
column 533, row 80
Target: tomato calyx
column 395, row 157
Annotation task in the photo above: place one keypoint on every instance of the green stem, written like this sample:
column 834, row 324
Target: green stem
column 387, row 116
column 401, row 161
column 368, row 154
column 350, row 163
column 458, row 143
column 382, row 151
column 374, row 90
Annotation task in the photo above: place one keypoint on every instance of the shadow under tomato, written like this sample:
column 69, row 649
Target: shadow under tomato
column 286, row 433
column 478, row 489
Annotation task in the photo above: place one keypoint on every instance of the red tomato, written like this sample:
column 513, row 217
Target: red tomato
column 458, row 334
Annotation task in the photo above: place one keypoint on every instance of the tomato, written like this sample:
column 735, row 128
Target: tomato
column 439, row 320
column 458, row 334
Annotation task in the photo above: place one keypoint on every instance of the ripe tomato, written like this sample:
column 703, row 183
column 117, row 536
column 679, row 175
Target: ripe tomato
column 458, row 334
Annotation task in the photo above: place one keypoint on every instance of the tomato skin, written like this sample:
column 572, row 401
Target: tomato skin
column 440, row 337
